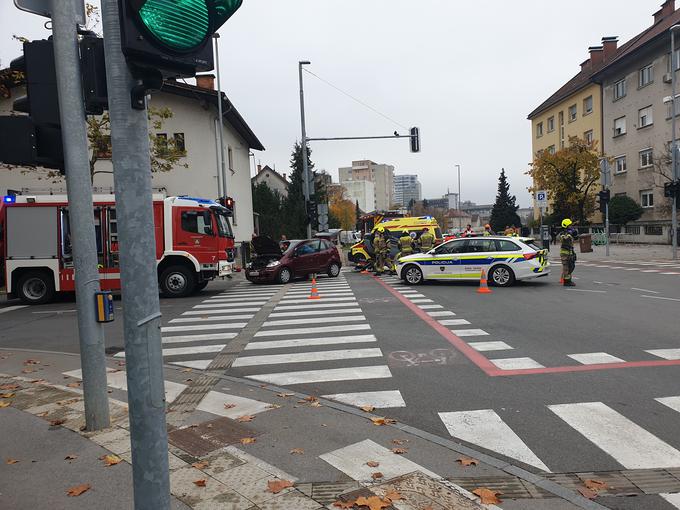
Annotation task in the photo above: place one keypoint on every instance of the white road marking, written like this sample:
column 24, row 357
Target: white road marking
column 306, row 357
column 486, row 429
column 314, row 320
column 631, row 269
column 453, row 322
column 197, row 338
column 312, row 301
column 312, row 331
column 261, row 295
column 663, row 298
column 236, row 301
column 469, row 332
column 669, row 354
column 322, row 293
column 645, row 290
column 441, row 314
column 199, row 364
column 352, row 460
column 672, row 498
column 379, row 399
column 177, row 351
column 303, row 313
column 669, row 273
column 117, row 379
column 588, row 290
column 430, row 307
column 217, row 311
column 417, row 301
column 11, row 308
column 214, row 402
column 516, row 363
column 328, row 375
column 251, row 306
column 489, row 346
column 629, row 444
column 672, row 402
column 202, row 327
column 595, row 358
column 651, row 270
column 211, row 318
column 409, row 295
column 304, row 342
column 317, row 304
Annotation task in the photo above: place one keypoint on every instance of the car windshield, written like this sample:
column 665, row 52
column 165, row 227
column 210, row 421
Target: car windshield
column 223, row 225
column 291, row 246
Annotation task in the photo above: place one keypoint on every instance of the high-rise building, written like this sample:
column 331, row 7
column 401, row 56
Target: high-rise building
column 381, row 175
column 407, row 188
column 361, row 192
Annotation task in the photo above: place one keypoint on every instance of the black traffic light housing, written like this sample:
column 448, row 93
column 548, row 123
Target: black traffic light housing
column 312, row 212
column 671, row 189
column 415, row 139
column 604, row 197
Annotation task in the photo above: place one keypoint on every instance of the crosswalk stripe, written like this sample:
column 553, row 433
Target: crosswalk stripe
column 235, row 306
column 669, row 354
column 322, row 293
column 629, row 444
column 198, row 364
column 317, row 305
column 312, row 331
column 197, row 338
column 245, row 294
column 305, row 342
column 441, row 314
column 211, row 318
column 516, row 363
column 118, row 380
column 378, row 399
column 453, row 322
column 243, row 301
column 486, row 429
column 214, row 402
column 202, row 327
column 595, row 358
column 314, row 320
column 469, row 332
column 310, row 302
column 10, row 308
column 420, row 300
column 306, row 357
column 671, row 498
column 430, row 307
column 218, row 311
column 671, row 402
column 303, row 313
column 489, row 346
column 328, row 375
column 177, row 351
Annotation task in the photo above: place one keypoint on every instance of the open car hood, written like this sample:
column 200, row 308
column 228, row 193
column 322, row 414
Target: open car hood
column 265, row 245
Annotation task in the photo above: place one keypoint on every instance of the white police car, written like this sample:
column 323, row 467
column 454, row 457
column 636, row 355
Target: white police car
column 506, row 259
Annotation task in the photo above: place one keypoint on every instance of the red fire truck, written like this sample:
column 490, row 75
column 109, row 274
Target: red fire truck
column 194, row 244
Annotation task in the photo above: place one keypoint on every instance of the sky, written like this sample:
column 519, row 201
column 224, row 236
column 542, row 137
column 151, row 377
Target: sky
column 466, row 73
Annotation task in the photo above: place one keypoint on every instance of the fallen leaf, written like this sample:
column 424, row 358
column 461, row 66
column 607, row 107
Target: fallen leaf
column 187, row 370
column 467, row 461
column 587, row 493
column 11, row 461
column 112, row 460
column 200, row 465
column 377, row 475
column 368, row 409
column 373, row 502
column 9, row 387
column 285, row 395
column 188, row 380
column 273, row 406
column 372, row 463
column 200, row 483
column 247, row 440
column 297, row 451
column 74, row 385
column 276, row 486
column 315, row 404
column 399, row 451
column 71, row 457
column 78, row 489
column 393, row 496
column 68, row 401
column 595, row 485
column 311, row 399
column 247, row 417
column 229, row 406
column 344, row 504
column 35, row 381
column 31, row 362
column 399, row 441
column 54, row 423
column 487, row 496
column 43, row 414
column 4, row 404
column 383, row 421
column 27, row 371
column 7, row 395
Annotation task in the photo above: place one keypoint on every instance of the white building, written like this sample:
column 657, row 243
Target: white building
column 407, row 188
column 382, row 177
column 274, row 180
column 194, row 122
column 360, row 191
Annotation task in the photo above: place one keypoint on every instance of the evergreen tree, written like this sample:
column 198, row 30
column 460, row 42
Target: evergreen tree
column 357, row 213
column 267, row 203
column 623, row 210
column 504, row 212
column 294, row 215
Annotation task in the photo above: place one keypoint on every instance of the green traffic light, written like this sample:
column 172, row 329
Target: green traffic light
column 224, row 9
column 181, row 25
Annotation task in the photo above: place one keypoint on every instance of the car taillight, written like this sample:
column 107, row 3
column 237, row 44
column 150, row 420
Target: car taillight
column 529, row 256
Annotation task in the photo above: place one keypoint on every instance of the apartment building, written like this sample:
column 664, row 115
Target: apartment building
column 381, row 175
column 407, row 188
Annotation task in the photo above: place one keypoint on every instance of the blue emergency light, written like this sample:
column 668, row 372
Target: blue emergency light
column 9, row 199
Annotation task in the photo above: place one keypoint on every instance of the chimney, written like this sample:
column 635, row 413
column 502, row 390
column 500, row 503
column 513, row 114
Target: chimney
column 284, row 177
column 596, row 55
column 585, row 65
column 206, row 81
column 610, row 45
column 667, row 8
column 259, row 168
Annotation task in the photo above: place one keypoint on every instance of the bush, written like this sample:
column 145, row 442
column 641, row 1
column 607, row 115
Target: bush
column 623, row 210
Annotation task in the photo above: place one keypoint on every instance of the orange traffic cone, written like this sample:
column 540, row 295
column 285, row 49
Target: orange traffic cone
column 561, row 280
column 483, row 284
column 315, row 291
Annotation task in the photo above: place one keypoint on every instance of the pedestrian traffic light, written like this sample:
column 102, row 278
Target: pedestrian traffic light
column 671, row 189
column 604, row 197
column 415, row 139
column 312, row 213
column 172, row 36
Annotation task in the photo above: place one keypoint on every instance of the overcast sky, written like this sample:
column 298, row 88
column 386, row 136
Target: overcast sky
column 466, row 72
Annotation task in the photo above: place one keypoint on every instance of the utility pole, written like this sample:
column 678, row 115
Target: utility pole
column 674, row 144
column 305, row 167
column 79, row 189
column 460, row 219
column 141, row 312
column 223, row 166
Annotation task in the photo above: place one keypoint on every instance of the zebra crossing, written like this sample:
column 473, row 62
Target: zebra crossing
column 194, row 339
column 325, row 344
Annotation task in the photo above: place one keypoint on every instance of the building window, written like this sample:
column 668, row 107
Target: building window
column 551, row 149
column 230, row 158
column 646, row 75
column 653, row 230
column 588, row 136
column 539, row 130
column 647, row 198
column 572, row 113
column 676, row 60
column 620, row 126
column 620, row 165
column 178, row 139
column 645, row 117
column 646, row 158
column 619, row 89
column 551, row 124
column 588, row 105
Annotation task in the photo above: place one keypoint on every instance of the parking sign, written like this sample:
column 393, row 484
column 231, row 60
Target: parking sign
column 542, row 198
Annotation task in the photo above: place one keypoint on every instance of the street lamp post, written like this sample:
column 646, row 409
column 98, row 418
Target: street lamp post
column 460, row 219
column 674, row 148
column 305, row 166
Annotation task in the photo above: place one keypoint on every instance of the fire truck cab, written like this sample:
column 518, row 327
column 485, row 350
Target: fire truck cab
column 194, row 244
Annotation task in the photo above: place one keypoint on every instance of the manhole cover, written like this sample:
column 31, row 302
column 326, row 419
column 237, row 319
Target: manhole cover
column 209, row 436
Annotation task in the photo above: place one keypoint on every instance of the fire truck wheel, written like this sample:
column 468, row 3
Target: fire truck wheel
column 35, row 288
column 202, row 285
column 177, row 281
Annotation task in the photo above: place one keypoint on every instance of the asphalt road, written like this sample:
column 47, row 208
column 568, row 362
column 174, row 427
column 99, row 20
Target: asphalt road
column 493, row 371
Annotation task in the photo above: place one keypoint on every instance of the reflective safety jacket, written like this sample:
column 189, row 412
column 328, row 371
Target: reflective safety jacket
column 405, row 244
column 566, row 239
column 426, row 241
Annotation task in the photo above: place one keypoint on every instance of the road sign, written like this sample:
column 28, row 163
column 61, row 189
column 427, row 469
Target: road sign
column 43, row 8
column 542, row 198
column 605, row 173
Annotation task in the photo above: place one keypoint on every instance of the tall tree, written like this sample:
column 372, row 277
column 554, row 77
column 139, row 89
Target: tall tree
column 294, row 215
column 504, row 212
column 357, row 213
column 570, row 176
column 267, row 203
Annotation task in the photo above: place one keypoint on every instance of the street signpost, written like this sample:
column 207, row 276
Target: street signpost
column 606, row 181
column 541, row 198
column 322, row 212
column 44, row 8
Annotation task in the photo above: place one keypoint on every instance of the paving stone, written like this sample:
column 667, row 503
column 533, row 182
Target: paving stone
column 116, row 440
column 257, row 491
column 420, row 490
column 617, row 484
column 220, row 462
column 214, row 496
column 329, row 492
column 652, row 481
column 289, row 501
column 237, row 477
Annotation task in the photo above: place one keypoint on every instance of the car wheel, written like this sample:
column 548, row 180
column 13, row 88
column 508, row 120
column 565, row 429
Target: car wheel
column 35, row 288
column 502, row 276
column 412, row 275
column 285, row 275
column 177, row 281
column 334, row 270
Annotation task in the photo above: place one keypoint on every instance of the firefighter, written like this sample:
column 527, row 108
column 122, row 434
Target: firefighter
column 389, row 262
column 426, row 241
column 566, row 237
column 405, row 245
column 379, row 246
column 488, row 231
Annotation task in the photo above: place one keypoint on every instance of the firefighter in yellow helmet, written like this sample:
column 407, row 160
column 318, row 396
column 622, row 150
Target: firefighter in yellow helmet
column 379, row 247
column 566, row 238
column 426, row 240
column 405, row 245
column 488, row 231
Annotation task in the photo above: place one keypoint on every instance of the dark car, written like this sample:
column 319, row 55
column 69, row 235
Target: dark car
column 300, row 259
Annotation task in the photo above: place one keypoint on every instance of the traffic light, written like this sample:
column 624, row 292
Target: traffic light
column 227, row 202
column 312, row 212
column 604, row 196
column 172, row 37
column 671, row 189
column 93, row 74
column 415, row 139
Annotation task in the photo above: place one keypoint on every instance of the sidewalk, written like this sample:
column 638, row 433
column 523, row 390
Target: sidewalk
column 622, row 252
column 244, row 446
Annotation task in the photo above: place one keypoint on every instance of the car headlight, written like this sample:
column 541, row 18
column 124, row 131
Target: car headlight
column 249, row 265
column 274, row 263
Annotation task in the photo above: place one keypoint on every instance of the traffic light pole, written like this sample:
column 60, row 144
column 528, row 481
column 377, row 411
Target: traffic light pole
column 223, row 163
column 305, row 167
column 79, row 189
column 141, row 311
column 606, row 228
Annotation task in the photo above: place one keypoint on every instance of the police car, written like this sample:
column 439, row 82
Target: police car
column 506, row 259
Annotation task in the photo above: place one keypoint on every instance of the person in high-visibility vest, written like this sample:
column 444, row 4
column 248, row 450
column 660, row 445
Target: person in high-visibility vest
column 405, row 245
column 426, row 241
column 488, row 231
column 566, row 237
column 379, row 246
